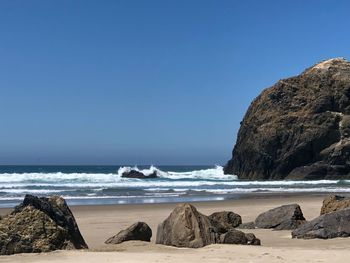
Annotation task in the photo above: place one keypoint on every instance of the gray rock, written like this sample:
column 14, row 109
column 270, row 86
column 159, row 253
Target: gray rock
column 40, row 225
column 138, row 231
column 331, row 225
column 334, row 203
column 285, row 217
column 298, row 129
column 225, row 220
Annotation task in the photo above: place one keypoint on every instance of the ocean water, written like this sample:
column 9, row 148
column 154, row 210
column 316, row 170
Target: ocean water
column 104, row 184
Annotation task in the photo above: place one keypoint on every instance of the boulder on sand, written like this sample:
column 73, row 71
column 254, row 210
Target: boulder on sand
column 138, row 231
column 234, row 236
column 334, row 203
column 40, row 225
column 331, row 225
column 225, row 219
column 186, row 227
column 138, row 175
column 285, row 217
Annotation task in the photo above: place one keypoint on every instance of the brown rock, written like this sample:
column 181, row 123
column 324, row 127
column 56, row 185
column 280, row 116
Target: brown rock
column 225, row 220
column 298, row 129
column 39, row 225
column 334, row 203
column 186, row 227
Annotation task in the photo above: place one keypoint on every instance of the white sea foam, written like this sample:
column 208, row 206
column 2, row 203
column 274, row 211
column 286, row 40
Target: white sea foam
column 170, row 184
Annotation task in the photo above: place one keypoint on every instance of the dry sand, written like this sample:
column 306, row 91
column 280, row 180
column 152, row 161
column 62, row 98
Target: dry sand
column 97, row 223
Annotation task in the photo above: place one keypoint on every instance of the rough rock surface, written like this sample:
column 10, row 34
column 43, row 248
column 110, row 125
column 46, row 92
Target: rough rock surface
column 138, row 175
column 331, row 225
column 225, row 219
column 234, row 236
column 284, row 217
column 334, row 203
column 299, row 128
column 186, row 227
column 39, row 225
column 248, row 225
column 138, row 231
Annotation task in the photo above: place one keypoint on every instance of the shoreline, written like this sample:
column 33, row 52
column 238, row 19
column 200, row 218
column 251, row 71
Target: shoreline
column 92, row 202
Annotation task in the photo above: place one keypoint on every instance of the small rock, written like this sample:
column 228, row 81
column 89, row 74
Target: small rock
column 225, row 220
column 138, row 231
column 234, row 236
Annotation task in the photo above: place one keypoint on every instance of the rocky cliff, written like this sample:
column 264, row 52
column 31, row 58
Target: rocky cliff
column 299, row 128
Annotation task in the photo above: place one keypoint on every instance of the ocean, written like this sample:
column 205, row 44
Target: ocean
column 87, row 185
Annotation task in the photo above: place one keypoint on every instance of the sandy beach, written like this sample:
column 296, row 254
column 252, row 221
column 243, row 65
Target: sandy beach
column 97, row 223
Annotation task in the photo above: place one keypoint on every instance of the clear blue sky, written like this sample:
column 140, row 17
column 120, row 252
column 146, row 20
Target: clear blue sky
column 140, row 82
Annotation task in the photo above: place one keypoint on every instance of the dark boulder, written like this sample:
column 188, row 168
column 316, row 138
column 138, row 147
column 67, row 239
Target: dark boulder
column 298, row 129
column 331, row 225
column 285, row 217
column 40, row 225
column 186, row 227
column 334, row 203
column 138, row 231
column 234, row 236
column 138, row 175
column 225, row 220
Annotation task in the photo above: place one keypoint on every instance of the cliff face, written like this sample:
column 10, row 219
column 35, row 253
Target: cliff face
column 299, row 128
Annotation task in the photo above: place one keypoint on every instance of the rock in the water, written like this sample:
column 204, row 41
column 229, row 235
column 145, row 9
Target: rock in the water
column 334, row 203
column 298, row 129
column 138, row 175
column 40, row 225
column 331, row 225
column 284, row 217
column 225, row 220
column 138, row 231
column 186, row 227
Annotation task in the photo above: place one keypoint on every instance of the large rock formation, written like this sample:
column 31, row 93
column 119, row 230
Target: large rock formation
column 299, row 128
column 138, row 231
column 186, row 227
column 334, row 203
column 39, row 225
column 285, row 217
column 331, row 225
